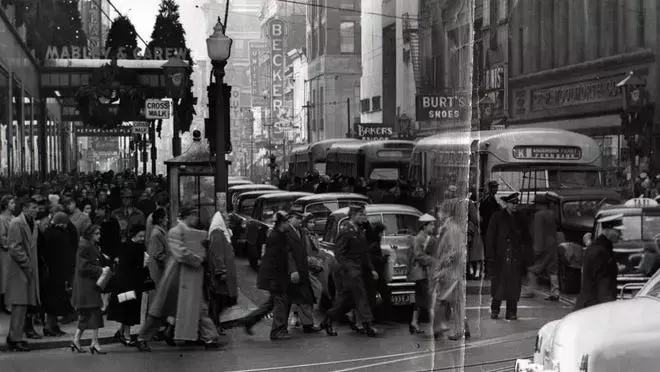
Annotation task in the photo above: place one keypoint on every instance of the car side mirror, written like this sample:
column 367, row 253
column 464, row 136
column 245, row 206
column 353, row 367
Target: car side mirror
column 586, row 239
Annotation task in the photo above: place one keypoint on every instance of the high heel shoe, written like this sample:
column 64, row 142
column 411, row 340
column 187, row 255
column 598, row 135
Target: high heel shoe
column 329, row 329
column 76, row 348
column 119, row 336
column 95, row 350
column 414, row 330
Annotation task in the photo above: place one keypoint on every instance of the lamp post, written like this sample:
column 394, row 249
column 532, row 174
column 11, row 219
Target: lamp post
column 219, row 50
column 486, row 107
column 633, row 119
column 177, row 80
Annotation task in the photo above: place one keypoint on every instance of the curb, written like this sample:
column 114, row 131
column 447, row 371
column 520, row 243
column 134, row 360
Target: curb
column 64, row 344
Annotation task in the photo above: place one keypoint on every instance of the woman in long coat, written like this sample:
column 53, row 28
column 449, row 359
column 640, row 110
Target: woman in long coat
column 86, row 297
column 52, row 245
column 221, row 269
column 7, row 205
column 419, row 264
column 158, row 249
column 129, row 278
column 475, row 242
column 447, row 278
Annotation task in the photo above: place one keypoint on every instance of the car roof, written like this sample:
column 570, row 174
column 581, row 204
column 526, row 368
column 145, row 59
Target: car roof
column 584, row 194
column 257, row 193
column 381, row 208
column 626, row 211
column 253, row 186
column 288, row 194
column 237, row 182
column 332, row 196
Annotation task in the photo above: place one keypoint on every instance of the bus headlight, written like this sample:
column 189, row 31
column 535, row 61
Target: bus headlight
column 526, row 365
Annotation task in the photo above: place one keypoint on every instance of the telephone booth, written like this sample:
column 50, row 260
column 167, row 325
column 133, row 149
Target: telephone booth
column 191, row 181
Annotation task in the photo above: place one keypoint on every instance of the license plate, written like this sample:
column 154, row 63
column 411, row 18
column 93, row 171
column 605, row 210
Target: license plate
column 401, row 270
column 401, row 299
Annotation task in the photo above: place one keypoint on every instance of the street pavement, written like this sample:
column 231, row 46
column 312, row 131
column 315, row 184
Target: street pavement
column 495, row 344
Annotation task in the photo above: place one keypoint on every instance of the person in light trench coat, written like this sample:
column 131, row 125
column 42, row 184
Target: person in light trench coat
column 23, row 272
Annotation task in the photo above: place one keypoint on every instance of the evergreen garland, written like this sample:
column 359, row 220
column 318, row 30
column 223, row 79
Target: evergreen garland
column 122, row 34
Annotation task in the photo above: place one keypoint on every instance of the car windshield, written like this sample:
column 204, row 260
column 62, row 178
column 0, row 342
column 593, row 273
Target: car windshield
column 246, row 206
column 396, row 224
column 652, row 287
column 637, row 227
column 540, row 178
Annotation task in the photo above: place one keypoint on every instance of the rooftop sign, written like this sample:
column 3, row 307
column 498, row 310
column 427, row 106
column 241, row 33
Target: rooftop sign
column 76, row 52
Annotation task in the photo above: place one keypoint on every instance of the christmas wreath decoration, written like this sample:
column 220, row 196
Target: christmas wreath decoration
column 113, row 96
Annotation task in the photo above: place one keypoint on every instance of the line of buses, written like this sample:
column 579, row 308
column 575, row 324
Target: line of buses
column 518, row 159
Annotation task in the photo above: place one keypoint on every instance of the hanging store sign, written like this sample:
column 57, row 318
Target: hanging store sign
column 76, row 52
column 373, row 131
column 547, row 153
column 98, row 132
column 257, row 49
column 276, row 36
column 450, row 107
column 580, row 93
column 157, row 109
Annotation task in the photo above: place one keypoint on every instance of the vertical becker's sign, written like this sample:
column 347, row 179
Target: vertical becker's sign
column 276, row 37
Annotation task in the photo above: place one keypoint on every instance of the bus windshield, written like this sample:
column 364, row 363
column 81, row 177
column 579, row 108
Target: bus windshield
column 513, row 178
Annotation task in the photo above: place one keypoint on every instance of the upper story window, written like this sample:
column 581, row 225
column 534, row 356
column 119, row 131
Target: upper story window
column 347, row 4
column 347, row 36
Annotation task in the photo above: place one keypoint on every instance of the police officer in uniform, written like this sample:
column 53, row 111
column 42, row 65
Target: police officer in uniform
column 352, row 258
column 599, row 267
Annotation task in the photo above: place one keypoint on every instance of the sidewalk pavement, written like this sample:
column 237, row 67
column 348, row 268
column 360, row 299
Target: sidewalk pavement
column 106, row 334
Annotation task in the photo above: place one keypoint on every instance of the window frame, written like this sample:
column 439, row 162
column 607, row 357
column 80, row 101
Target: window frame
column 343, row 37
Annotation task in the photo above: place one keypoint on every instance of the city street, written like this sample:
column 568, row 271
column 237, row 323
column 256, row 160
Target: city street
column 395, row 350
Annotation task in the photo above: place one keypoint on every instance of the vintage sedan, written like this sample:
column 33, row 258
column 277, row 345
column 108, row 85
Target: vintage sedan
column 320, row 206
column 622, row 335
column 233, row 191
column 237, row 181
column 261, row 221
column 401, row 223
column 241, row 214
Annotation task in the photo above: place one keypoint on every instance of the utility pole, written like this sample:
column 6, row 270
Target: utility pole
column 308, row 107
column 348, row 117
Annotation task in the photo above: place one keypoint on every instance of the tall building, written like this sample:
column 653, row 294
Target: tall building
column 334, row 56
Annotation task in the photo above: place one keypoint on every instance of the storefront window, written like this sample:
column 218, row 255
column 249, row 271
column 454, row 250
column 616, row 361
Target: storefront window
column 17, row 165
column 30, row 128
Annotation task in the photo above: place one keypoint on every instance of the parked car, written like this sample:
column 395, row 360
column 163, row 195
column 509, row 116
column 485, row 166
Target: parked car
column 238, row 189
column 621, row 335
column 322, row 205
column 241, row 214
column 261, row 221
column 401, row 223
column 576, row 210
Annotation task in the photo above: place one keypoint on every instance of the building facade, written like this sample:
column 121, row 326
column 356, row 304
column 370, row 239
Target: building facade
column 334, row 52
column 96, row 17
column 566, row 58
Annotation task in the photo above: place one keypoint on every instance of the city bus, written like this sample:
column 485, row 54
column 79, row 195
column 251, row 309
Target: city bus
column 375, row 160
column 304, row 159
column 522, row 160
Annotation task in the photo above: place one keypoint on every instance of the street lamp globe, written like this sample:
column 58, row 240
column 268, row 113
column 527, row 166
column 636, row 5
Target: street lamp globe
column 219, row 44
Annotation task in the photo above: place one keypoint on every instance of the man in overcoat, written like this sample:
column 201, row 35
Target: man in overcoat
column 300, row 293
column 599, row 267
column 544, row 233
column 352, row 258
column 23, row 273
column 506, row 250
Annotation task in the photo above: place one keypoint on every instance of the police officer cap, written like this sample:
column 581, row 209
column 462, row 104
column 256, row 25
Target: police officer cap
column 511, row 198
column 354, row 209
column 426, row 218
column 614, row 221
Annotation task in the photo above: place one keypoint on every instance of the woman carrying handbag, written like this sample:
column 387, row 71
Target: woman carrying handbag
column 419, row 264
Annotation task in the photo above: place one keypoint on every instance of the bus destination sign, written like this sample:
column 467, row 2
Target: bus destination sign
column 547, row 153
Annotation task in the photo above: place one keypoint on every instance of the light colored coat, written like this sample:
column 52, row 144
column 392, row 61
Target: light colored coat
column 224, row 254
column 180, row 293
column 22, row 242
column 158, row 251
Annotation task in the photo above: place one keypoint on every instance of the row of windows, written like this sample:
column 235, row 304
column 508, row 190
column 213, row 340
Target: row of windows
column 318, row 36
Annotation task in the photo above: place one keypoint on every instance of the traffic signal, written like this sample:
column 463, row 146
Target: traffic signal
column 227, row 107
column 273, row 162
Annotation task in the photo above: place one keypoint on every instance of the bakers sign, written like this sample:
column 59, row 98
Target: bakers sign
column 373, row 131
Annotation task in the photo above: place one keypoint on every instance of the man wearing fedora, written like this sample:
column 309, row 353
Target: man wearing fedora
column 505, row 249
column 544, row 232
column 599, row 268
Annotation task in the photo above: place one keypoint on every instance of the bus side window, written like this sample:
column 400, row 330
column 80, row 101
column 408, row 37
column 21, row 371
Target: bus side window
column 483, row 162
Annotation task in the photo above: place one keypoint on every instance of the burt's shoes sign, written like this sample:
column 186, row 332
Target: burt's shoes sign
column 76, row 52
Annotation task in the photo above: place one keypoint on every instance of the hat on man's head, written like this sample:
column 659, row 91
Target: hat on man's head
column 187, row 211
column 60, row 218
column 355, row 208
column 126, row 193
column 614, row 221
column 512, row 198
column 493, row 183
column 296, row 211
column 425, row 218
column 541, row 199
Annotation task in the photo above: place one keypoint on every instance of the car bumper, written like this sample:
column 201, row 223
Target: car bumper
column 527, row 365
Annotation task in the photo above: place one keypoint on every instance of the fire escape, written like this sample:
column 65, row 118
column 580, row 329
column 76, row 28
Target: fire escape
column 411, row 57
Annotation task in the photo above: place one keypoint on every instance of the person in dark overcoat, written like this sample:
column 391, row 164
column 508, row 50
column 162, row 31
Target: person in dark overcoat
column 599, row 267
column 488, row 205
column 300, row 293
column 275, row 275
column 506, row 250
column 52, row 243
column 351, row 256
column 86, row 298
column 544, row 232
column 377, row 288
column 126, row 296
